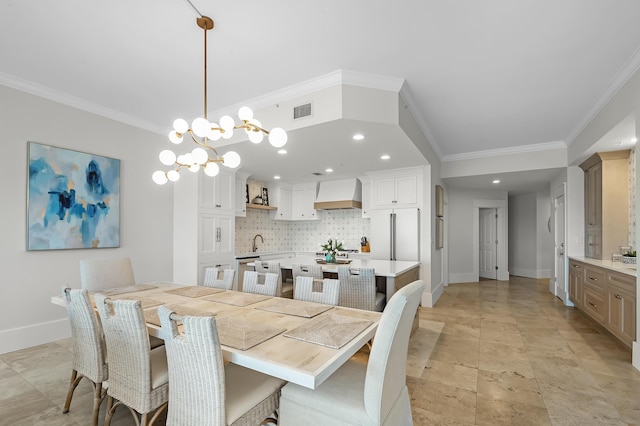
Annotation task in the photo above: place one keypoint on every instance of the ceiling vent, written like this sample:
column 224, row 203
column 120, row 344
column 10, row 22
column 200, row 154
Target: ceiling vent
column 302, row 111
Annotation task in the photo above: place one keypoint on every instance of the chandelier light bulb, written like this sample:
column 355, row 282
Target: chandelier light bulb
column 188, row 159
column 228, row 134
column 201, row 127
column 194, row 167
column 199, row 155
column 212, row 169
column 214, row 134
column 173, row 175
column 167, row 157
column 255, row 137
column 180, row 125
column 227, row 123
column 245, row 113
column 159, row 177
column 278, row 137
column 231, row 159
column 174, row 138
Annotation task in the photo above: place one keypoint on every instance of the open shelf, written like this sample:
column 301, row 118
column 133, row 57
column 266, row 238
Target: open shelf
column 260, row 207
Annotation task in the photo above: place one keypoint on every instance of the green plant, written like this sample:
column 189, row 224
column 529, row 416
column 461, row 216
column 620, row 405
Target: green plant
column 630, row 253
column 332, row 246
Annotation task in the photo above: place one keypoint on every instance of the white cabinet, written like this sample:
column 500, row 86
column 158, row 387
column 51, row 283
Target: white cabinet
column 294, row 202
column 217, row 193
column 396, row 189
column 302, row 203
column 216, row 235
column 240, row 198
column 366, row 198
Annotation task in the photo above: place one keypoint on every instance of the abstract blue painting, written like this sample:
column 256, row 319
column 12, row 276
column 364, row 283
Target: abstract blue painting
column 73, row 199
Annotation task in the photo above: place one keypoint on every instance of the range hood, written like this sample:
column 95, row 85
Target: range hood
column 339, row 194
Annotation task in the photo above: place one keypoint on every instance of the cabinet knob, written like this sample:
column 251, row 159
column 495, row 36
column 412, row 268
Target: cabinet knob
column 618, row 296
column 218, row 205
column 593, row 279
column 593, row 304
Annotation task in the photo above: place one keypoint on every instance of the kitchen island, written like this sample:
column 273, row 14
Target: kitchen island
column 395, row 273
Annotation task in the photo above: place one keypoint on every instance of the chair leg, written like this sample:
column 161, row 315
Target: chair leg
column 159, row 411
column 73, row 383
column 111, row 408
column 98, row 397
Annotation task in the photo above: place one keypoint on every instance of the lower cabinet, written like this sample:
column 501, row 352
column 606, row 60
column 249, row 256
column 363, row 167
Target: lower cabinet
column 607, row 296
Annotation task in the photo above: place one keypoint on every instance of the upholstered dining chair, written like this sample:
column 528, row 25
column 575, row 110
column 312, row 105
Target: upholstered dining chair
column 89, row 355
column 254, row 282
column 204, row 391
column 358, row 289
column 138, row 377
column 105, row 273
column 328, row 294
column 363, row 394
column 284, row 289
column 212, row 278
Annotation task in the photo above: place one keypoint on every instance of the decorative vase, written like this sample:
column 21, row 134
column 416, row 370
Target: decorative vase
column 330, row 258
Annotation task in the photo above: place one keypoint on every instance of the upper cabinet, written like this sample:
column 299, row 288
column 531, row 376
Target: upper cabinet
column 606, row 203
column 218, row 193
column 400, row 188
column 294, row 202
column 366, row 197
column 241, row 197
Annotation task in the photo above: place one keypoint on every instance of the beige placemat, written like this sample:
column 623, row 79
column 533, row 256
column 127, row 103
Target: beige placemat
column 127, row 289
column 244, row 334
column 333, row 331
column 146, row 302
column 151, row 315
column 236, row 298
column 194, row 291
column 298, row 308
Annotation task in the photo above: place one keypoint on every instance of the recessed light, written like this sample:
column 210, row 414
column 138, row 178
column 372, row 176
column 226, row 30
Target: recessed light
column 329, row 170
column 282, row 151
column 276, row 177
column 634, row 140
column 358, row 137
column 496, row 181
column 384, row 157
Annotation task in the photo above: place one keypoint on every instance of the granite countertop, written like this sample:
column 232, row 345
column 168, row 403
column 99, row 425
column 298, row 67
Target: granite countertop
column 625, row 268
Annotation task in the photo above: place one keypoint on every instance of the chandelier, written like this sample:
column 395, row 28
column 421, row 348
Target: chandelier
column 202, row 131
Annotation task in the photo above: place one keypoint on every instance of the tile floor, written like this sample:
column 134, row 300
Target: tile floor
column 489, row 353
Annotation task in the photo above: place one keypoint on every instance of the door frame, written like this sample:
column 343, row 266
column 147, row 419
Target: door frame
column 501, row 232
column 563, row 294
column 494, row 270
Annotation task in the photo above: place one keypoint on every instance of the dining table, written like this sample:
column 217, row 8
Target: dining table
column 297, row 341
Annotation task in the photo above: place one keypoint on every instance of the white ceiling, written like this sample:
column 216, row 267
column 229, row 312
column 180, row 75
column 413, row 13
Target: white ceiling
column 482, row 75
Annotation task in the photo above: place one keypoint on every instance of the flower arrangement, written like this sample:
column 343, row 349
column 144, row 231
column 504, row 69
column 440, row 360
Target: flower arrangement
column 332, row 246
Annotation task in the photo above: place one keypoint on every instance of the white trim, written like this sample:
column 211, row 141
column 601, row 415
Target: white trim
column 505, row 151
column 407, row 98
column 32, row 335
column 635, row 355
column 465, row 277
column 429, row 299
column 531, row 273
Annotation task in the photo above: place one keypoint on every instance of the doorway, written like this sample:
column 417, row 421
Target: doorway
column 488, row 243
column 558, row 283
column 502, row 246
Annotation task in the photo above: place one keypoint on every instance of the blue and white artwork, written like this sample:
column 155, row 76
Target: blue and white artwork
column 73, row 200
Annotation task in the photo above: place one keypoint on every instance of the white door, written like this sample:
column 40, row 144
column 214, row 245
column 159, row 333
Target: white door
column 559, row 243
column 488, row 243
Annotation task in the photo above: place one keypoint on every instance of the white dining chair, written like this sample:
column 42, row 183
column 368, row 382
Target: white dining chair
column 254, row 282
column 284, row 289
column 88, row 359
column 358, row 289
column 363, row 394
column 328, row 293
column 138, row 377
column 212, row 278
column 206, row 392
column 106, row 273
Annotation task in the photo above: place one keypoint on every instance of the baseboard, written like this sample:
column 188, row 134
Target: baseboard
column 635, row 355
column 33, row 335
column 430, row 299
column 462, row 278
column 530, row 273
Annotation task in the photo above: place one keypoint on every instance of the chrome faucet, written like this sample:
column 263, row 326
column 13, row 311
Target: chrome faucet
column 255, row 248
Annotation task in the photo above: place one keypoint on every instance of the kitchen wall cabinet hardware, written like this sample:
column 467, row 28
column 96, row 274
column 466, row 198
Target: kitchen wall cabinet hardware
column 606, row 203
column 607, row 296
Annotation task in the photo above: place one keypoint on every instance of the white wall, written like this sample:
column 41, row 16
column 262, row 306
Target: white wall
column 29, row 279
column 461, row 210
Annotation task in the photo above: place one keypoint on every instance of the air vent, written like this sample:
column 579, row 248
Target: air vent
column 302, row 111
column 317, row 173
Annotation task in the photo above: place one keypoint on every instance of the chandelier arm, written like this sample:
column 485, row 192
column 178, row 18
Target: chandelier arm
column 252, row 127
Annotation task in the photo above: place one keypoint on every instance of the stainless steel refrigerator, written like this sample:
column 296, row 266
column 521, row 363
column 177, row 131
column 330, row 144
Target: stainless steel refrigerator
column 395, row 234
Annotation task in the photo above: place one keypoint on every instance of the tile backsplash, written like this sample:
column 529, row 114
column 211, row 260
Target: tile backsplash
column 300, row 236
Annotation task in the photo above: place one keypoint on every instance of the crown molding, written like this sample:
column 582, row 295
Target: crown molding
column 75, row 102
column 626, row 72
column 505, row 151
column 405, row 93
